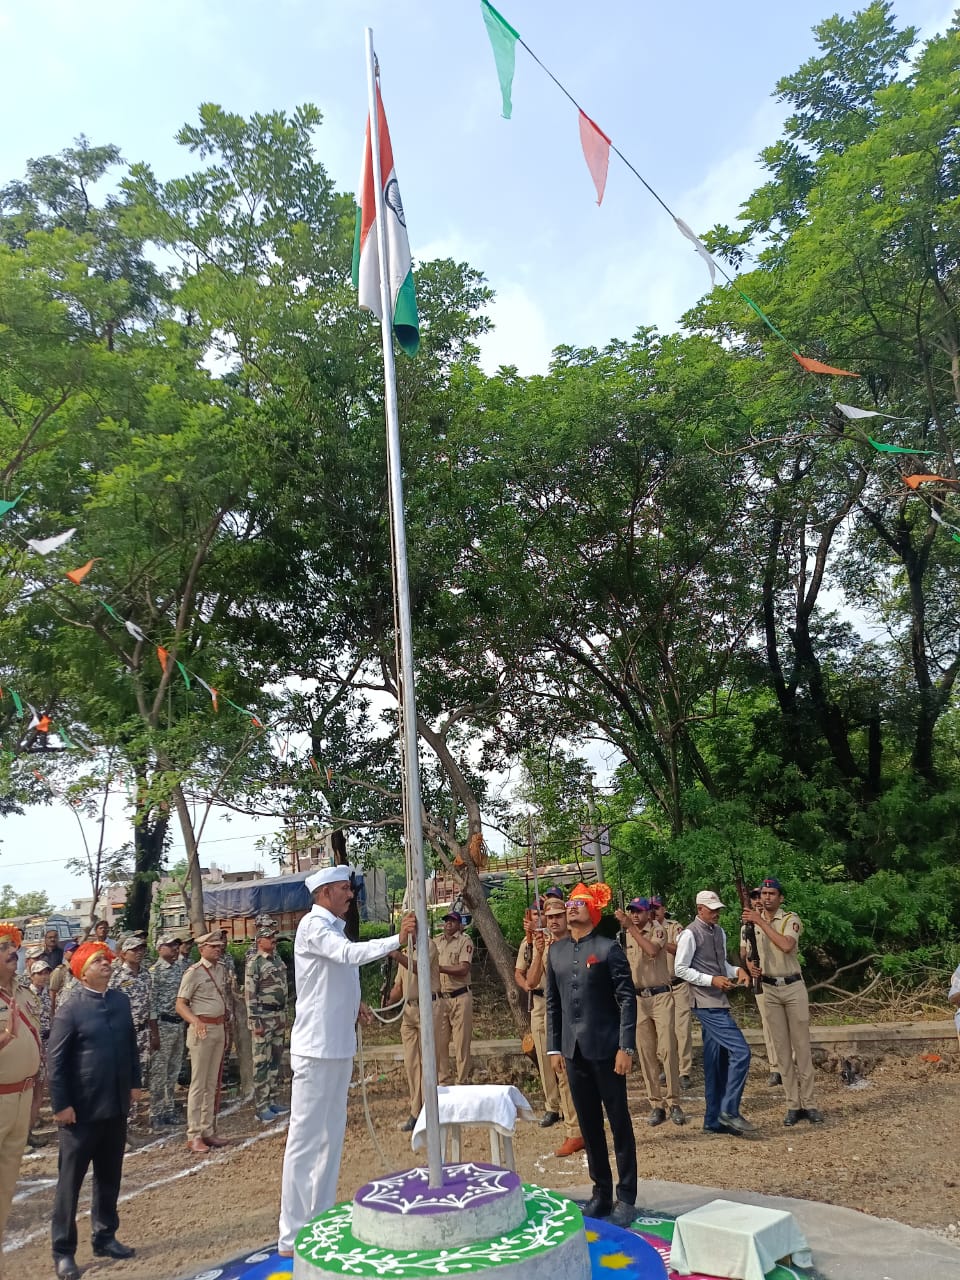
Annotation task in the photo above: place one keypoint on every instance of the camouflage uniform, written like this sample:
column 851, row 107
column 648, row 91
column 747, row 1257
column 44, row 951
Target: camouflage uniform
column 63, row 986
column 165, row 979
column 136, row 987
column 265, row 990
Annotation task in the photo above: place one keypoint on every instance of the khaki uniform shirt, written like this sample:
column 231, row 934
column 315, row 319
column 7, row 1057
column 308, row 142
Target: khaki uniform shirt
column 648, row 971
column 775, row 963
column 408, row 978
column 523, row 964
column 202, row 989
column 457, row 951
column 20, row 1059
column 673, row 929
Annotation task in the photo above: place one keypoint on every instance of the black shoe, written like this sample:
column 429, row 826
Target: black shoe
column 677, row 1116
column 597, row 1207
column 813, row 1115
column 722, row 1128
column 113, row 1249
column 685, row 1082
column 66, row 1267
column 549, row 1119
column 409, row 1124
column 773, row 1079
column 737, row 1122
column 656, row 1116
column 793, row 1117
column 622, row 1214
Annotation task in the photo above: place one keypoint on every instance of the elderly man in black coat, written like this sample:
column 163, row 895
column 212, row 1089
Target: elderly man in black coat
column 93, row 1075
column 591, row 1034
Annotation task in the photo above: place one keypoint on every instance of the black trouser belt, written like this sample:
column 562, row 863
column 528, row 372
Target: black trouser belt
column 537, row 991
column 416, row 999
column 169, row 1017
column 675, row 982
column 783, row 982
column 460, row 991
column 269, row 1008
column 651, row 991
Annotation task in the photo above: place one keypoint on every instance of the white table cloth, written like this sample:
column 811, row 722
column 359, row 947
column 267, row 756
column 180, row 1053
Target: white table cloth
column 740, row 1241
column 500, row 1105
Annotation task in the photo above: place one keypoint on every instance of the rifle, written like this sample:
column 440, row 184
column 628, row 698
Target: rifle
column 749, row 929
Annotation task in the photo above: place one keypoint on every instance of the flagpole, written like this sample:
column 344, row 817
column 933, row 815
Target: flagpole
column 408, row 717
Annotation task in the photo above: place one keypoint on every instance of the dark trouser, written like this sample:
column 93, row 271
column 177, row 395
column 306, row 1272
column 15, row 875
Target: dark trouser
column 595, row 1087
column 101, row 1142
column 726, row 1061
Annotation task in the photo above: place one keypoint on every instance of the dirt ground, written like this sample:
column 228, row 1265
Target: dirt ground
column 886, row 1148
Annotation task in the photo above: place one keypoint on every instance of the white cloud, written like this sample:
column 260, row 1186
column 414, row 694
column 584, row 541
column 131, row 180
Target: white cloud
column 520, row 334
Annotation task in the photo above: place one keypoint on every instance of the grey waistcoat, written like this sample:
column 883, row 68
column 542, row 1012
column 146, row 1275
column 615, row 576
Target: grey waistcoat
column 709, row 957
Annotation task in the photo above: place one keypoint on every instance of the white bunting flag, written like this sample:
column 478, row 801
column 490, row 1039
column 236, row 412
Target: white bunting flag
column 700, row 247
column 43, row 546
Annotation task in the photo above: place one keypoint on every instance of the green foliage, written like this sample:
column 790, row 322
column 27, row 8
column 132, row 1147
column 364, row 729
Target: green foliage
column 508, row 902
column 32, row 903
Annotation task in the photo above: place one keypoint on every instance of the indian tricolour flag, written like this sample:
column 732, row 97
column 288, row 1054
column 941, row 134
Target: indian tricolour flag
column 366, row 259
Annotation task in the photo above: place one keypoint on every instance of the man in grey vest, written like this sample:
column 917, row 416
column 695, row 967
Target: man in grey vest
column 702, row 963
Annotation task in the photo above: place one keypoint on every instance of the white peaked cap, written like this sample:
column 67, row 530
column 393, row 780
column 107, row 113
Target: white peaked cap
column 326, row 875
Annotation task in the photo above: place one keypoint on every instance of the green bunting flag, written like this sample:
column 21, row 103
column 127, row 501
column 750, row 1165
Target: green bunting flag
column 183, row 672
column 8, row 506
column 17, row 703
column 895, row 448
column 503, row 39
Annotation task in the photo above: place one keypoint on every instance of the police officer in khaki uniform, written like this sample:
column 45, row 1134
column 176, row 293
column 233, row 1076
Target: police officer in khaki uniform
column 203, row 1003
column 456, row 999
column 774, row 1079
column 405, row 989
column 19, row 1066
column 682, row 1018
column 529, row 975
column 645, row 947
column 786, row 1006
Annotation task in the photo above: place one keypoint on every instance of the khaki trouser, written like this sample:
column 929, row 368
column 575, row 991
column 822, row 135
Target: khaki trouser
column 412, row 1055
column 455, row 1027
column 787, row 1014
column 656, row 1043
column 683, row 1028
column 767, row 1039
column 556, row 1089
column 14, row 1127
column 206, row 1059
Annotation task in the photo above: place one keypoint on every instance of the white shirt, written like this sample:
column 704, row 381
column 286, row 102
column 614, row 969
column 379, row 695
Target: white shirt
column 955, row 990
column 686, row 946
column 327, row 970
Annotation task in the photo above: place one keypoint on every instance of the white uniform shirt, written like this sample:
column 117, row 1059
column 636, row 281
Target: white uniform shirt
column 327, row 969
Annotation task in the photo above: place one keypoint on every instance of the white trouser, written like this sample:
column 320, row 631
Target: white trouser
column 311, row 1161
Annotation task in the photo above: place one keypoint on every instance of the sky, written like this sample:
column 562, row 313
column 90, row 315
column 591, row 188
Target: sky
column 683, row 89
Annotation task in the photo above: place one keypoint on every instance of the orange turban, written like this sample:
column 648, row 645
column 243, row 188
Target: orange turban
column 9, row 930
column 596, row 896
column 86, row 952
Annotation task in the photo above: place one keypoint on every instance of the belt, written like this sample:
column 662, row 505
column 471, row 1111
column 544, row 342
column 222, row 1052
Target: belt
column 20, row 1087
column 460, row 991
column 537, row 991
column 169, row 1017
column 212, row 1022
column 651, row 991
column 272, row 1008
column 416, row 1000
column 783, row 982
column 675, row 982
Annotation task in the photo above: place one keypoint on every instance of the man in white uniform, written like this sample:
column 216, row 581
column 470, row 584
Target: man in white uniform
column 322, row 1046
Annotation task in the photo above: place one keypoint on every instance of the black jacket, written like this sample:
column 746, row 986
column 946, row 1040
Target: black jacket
column 92, row 1059
column 591, row 1001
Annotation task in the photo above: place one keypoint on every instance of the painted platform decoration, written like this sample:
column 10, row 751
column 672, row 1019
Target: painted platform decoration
column 639, row 1254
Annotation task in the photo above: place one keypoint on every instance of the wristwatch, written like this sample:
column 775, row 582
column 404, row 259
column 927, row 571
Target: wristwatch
column 630, row 1051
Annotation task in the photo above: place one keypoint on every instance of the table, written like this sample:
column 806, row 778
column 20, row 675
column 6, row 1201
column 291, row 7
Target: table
column 498, row 1106
column 741, row 1241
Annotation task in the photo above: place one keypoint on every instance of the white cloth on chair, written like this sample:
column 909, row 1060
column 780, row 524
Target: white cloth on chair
column 741, row 1241
column 499, row 1105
